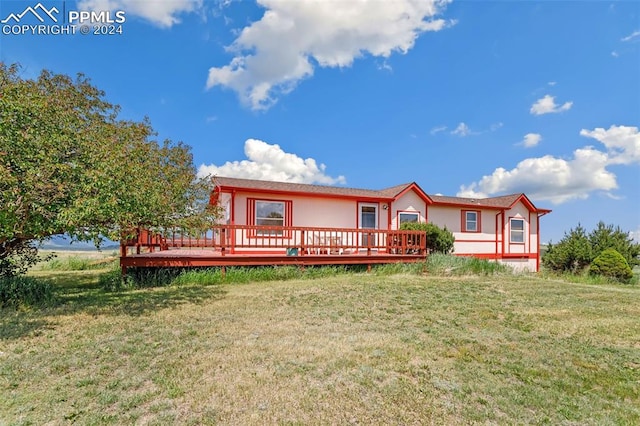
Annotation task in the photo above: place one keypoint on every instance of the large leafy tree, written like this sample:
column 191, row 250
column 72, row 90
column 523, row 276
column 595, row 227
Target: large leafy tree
column 69, row 165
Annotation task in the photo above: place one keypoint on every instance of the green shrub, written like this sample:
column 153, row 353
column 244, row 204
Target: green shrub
column 112, row 280
column 606, row 236
column 610, row 263
column 572, row 254
column 577, row 249
column 439, row 240
column 20, row 291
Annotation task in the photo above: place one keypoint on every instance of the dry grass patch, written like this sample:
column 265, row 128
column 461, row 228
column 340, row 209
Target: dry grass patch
column 357, row 349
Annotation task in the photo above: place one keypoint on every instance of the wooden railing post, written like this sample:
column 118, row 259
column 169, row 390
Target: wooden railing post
column 223, row 240
column 138, row 238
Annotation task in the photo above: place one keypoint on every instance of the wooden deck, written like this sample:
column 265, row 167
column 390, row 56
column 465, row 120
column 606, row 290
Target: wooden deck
column 242, row 245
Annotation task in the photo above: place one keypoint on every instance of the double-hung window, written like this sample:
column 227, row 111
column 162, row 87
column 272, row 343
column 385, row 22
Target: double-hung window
column 516, row 228
column 470, row 221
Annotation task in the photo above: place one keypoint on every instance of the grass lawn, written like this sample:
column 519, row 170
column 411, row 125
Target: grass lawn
column 355, row 349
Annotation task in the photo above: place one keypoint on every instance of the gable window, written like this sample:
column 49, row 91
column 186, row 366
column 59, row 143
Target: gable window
column 408, row 217
column 470, row 221
column 516, row 227
column 272, row 213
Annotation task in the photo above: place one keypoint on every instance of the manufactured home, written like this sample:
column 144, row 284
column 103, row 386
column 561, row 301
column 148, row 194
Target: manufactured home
column 267, row 222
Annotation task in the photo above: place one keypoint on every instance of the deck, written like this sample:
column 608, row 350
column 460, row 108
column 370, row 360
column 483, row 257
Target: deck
column 245, row 245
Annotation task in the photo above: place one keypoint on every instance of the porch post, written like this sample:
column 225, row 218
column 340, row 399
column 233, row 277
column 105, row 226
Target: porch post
column 223, row 240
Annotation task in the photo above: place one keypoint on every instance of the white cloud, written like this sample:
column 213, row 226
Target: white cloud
column 462, row 130
column 635, row 235
column 438, row 129
column 631, row 36
column 163, row 13
column 270, row 162
column 531, row 139
column 615, row 54
column 273, row 54
column 559, row 180
column 547, row 105
column 622, row 142
column 496, row 126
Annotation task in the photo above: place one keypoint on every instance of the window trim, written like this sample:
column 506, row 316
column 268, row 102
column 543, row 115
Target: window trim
column 407, row 212
column 463, row 221
column 252, row 217
column 511, row 230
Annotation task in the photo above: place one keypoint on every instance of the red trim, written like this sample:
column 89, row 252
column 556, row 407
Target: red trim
column 233, row 220
column 389, row 216
column 519, row 256
column 496, row 231
column 405, row 211
column 306, row 194
column 504, row 227
column 529, row 233
column 233, row 208
column 251, row 216
column 538, row 249
column 494, row 256
column 358, row 213
column 522, row 198
column 263, row 251
column 414, row 186
column 524, row 226
column 463, row 221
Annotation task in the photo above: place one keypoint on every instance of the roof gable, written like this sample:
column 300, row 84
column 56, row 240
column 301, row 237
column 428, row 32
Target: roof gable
column 496, row 203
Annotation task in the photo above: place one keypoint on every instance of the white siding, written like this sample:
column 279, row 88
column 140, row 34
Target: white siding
column 409, row 202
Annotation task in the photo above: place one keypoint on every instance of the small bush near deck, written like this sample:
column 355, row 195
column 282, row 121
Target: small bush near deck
column 439, row 240
column 24, row 291
column 610, row 263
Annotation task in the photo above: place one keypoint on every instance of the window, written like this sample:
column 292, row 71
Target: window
column 470, row 221
column 408, row 217
column 368, row 217
column 517, row 230
column 273, row 213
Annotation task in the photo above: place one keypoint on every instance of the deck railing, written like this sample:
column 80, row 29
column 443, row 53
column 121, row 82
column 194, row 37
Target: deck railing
column 294, row 240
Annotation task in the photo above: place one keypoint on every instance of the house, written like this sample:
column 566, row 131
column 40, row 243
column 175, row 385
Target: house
column 505, row 229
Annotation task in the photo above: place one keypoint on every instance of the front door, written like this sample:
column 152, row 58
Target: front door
column 368, row 214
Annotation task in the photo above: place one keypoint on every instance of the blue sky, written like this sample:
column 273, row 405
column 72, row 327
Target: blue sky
column 464, row 98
